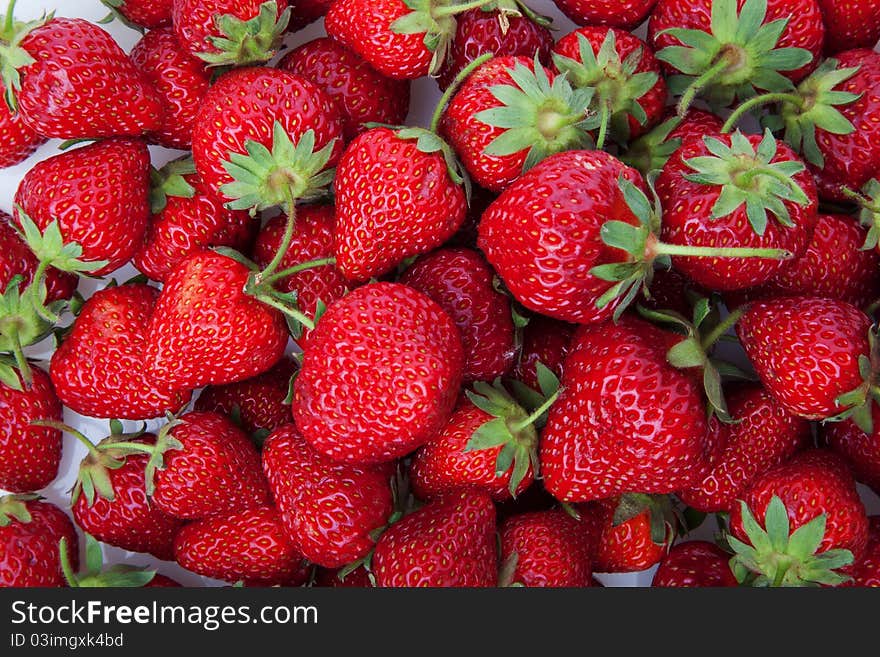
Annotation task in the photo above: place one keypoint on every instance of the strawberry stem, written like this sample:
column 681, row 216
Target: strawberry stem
column 64, row 558
column 538, row 412
column 453, row 10
column 697, row 85
column 9, row 19
column 66, row 428
column 21, row 360
column 288, row 310
column 662, row 248
column 286, row 238
column 715, row 334
column 290, row 271
column 605, row 114
column 757, row 101
column 456, row 83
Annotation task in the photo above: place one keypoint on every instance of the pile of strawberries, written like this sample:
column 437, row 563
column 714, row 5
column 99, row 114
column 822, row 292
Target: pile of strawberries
column 509, row 323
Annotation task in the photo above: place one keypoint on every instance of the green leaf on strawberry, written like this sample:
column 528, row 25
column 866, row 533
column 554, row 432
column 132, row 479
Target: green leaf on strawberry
column 869, row 213
column 13, row 508
column 95, row 575
column 663, row 516
column 170, row 181
column 12, row 56
column 248, row 42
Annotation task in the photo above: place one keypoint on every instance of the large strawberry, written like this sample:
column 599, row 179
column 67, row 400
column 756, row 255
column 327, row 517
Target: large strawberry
column 331, row 511
column 150, row 14
column 17, row 139
column 30, row 531
column 849, row 24
column 860, row 448
column 381, row 375
column 652, row 151
column 694, row 564
column 449, row 542
column 626, row 15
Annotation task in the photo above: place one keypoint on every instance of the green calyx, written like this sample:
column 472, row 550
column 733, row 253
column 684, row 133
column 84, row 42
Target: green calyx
column 50, row 248
column 170, row 181
column 664, row 516
column 115, row 7
column 121, row 446
column 249, row 42
column 748, row 176
column 857, row 403
column 95, row 576
column 14, row 509
column 538, row 116
column 652, row 151
column 13, row 57
column 617, row 87
column 508, row 9
column 869, row 213
column 776, row 556
column 738, row 57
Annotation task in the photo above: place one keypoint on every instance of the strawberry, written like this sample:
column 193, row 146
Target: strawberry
column 449, row 542
column 813, row 523
column 181, row 81
column 304, row 12
column 230, row 32
column 17, row 139
column 544, row 341
column 100, row 368
column 329, row 510
column 358, row 578
column 671, row 290
column 246, row 545
column 396, row 360
column 861, row 449
column 461, row 282
column 97, row 576
column 625, row 15
column 544, row 548
column 763, row 435
column 597, row 442
column 652, row 151
column 150, row 14
column 849, row 24
column 694, row 564
column 362, row 94
column 98, row 194
column 866, row 571
column 630, row 92
column 29, row 455
column 30, row 530
column 62, row 89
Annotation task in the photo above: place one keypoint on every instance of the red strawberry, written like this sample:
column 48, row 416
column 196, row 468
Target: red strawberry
column 230, row 32
column 16, row 259
column 98, row 194
column 17, row 139
column 304, row 12
column 866, row 571
column 65, row 90
column 380, row 377
column 652, row 151
column 29, row 455
column 544, row 341
column 30, row 531
column 329, row 510
column 246, row 545
column 626, row 15
column 694, row 564
column 150, row 14
column 362, row 94
column 544, row 548
column 449, row 542
column 358, row 578
column 813, row 523
column 461, row 282
column 670, row 290
column 634, row 532
column 181, row 81
column 100, row 369
column 849, row 24
column 861, row 449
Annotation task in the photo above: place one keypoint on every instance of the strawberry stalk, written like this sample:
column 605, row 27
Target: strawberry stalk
column 451, row 90
column 759, row 101
column 703, row 81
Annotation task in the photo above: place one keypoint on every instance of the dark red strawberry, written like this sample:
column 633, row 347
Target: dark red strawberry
column 861, row 449
column 304, row 12
column 449, row 542
column 866, row 571
column 161, row 581
column 16, row 259
column 362, row 94
column 150, row 14
column 627, row 15
column 98, row 194
column 17, row 139
column 249, row 546
column 544, row 548
column 652, row 151
column 358, row 578
column 849, row 24
column 30, row 531
column 544, row 341
column 380, row 377
column 695, row 564
column 671, row 290
column 331, row 511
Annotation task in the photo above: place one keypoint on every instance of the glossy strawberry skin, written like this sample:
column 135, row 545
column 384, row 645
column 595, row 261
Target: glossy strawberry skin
column 383, row 346
column 849, row 24
column 181, row 81
column 392, row 202
column 460, row 281
column 150, row 14
column 626, row 15
column 328, row 509
column 29, row 455
column 764, row 436
column 627, row 547
column 544, row 341
column 694, row 564
column 542, row 235
column 206, row 330
column 861, row 450
column 196, row 20
column 449, row 542
column 99, row 195
column 217, row 471
column 866, row 571
column 362, row 94
column 82, row 84
column 99, row 369
column 626, row 420
column 805, row 351
column 29, row 551
column 687, row 220
column 17, row 140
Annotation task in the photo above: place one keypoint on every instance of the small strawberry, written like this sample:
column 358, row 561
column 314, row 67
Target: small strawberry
column 626, row 15
column 449, row 542
column 866, row 571
column 341, row 578
column 861, row 449
column 303, row 12
column 329, row 510
column 544, row 548
column 544, row 341
column 694, row 564
column 652, row 151
column 96, row 576
column 362, row 94
column 30, row 531
column 17, row 140
column 380, row 377
column 849, row 24
column 150, row 14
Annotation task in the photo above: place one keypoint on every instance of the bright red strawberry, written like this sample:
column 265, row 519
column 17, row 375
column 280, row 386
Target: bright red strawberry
column 866, row 571
column 626, row 15
column 17, row 139
column 16, row 259
column 694, row 564
column 181, row 81
column 245, row 545
column 763, row 435
column 329, row 510
column 449, row 542
column 395, row 198
column 29, row 455
column 30, row 531
column 380, row 377
column 151, row 14
column 362, row 94
column 849, row 24
column 98, row 194
column 100, row 368
column 231, row 32
column 304, row 12
column 545, row 548
column 65, row 90
column 652, row 151
column 626, row 419
column 461, row 282
column 798, row 523
column 861, row 449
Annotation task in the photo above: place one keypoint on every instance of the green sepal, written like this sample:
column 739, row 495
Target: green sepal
column 13, row 508
column 430, row 142
column 9, row 374
column 652, row 151
column 249, row 42
column 170, row 181
column 663, row 516
column 165, row 442
column 115, row 14
column 869, row 212
column 50, row 248
column 13, row 57
column 93, row 477
column 95, row 576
